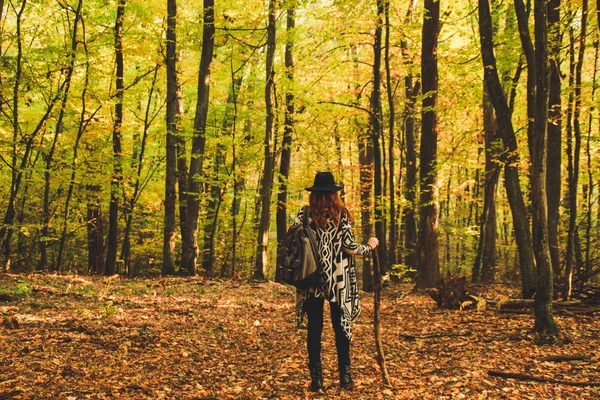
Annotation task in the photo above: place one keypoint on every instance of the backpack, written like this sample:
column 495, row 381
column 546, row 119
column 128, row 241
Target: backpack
column 300, row 262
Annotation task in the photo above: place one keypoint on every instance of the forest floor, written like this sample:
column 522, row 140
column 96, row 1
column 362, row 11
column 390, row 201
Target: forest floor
column 74, row 337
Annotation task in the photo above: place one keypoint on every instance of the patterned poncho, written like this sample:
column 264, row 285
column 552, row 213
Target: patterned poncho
column 336, row 248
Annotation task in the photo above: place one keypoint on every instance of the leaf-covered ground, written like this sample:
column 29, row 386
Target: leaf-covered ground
column 69, row 337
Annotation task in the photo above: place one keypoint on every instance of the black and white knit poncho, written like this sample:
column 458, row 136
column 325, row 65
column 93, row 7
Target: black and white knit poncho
column 336, row 248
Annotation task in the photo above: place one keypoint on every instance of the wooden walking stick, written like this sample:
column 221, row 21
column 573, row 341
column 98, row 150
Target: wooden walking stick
column 376, row 318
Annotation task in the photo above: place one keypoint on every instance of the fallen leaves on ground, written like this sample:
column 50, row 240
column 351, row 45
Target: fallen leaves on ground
column 70, row 337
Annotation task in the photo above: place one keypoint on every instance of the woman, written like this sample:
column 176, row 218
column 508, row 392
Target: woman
column 336, row 245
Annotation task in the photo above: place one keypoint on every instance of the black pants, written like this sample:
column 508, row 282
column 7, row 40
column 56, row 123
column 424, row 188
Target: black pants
column 314, row 311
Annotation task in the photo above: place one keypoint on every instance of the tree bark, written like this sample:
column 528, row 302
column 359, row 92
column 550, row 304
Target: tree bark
column 571, row 262
column 409, row 221
column 266, row 184
column 393, row 240
column 544, row 320
column 172, row 119
column 189, row 234
column 429, row 269
column 117, row 173
column 511, row 156
column 288, row 129
column 376, row 119
column 485, row 261
column 554, row 150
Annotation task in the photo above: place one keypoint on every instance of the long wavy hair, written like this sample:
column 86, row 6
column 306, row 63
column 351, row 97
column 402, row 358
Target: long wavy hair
column 325, row 206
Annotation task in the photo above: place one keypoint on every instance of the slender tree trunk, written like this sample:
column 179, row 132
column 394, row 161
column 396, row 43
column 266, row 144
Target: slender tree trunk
column 138, row 162
column 83, row 122
column 554, row 150
column 288, row 129
column 218, row 180
column 189, row 251
column 393, row 240
column 410, row 189
column 365, row 159
column 375, row 126
column 544, row 320
column 511, row 156
column 95, row 230
column 590, row 175
column 46, row 213
column 429, row 268
column 16, row 172
column 172, row 119
column 117, row 174
column 266, row 184
column 485, row 261
column 571, row 189
column 572, row 263
column 409, row 221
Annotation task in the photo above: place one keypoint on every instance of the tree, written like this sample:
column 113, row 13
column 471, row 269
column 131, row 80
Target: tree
column 266, row 183
column 173, row 116
column 429, row 269
column 392, row 256
column 116, row 181
column 46, row 214
column 288, row 129
column 411, row 89
column 574, row 155
column 554, row 147
column 376, row 130
column 189, row 234
column 544, row 320
column 510, row 156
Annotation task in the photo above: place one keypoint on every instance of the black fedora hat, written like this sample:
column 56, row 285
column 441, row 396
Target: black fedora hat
column 324, row 182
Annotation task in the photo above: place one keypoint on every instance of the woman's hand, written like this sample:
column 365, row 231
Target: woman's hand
column 373, row 243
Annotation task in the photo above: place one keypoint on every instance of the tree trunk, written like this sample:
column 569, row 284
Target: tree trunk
column 138, row 162
column 590, row 174
column 485, row 261
column 571, row 263
column 393, row 241
column 82, row 126
column 46, row 238
column 95, row 230
column 117, row 173
column 511, row 156
column 365, row 159
column 266, row 184
column 218, row 180
column 375, row 126
column 544, row 320
column 288, row 129
column 189, row 234
column 172, row 119
column 429, row 268
column 411, row 90
column 554, row 150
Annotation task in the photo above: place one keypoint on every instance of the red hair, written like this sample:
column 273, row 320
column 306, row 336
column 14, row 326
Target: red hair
column 327, row 205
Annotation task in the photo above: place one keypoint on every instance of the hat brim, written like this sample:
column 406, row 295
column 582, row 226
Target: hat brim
column 325, row 188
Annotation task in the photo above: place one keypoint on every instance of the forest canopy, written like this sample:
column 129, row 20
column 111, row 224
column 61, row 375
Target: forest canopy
column 143, row 138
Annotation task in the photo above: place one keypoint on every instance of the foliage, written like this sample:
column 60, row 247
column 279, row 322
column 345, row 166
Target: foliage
column 333, row 57
column 229, row 339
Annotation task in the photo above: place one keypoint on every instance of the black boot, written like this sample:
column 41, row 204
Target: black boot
column 316, row 377
column 345, row 378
